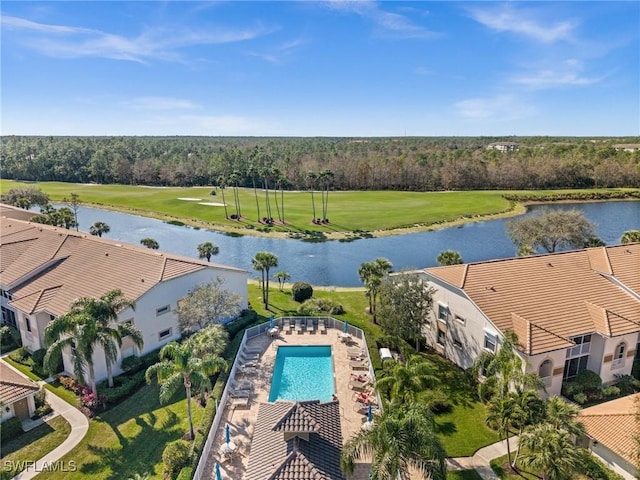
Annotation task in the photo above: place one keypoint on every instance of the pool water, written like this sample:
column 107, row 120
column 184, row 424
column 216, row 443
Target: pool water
column 302, row 373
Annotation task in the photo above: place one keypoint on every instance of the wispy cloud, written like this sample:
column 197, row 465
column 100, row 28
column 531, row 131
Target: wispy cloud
column 279, row 54
column 63, row 41
column 567, row 73
column 503, row 107
column 387, row 22
column 524, row 22
column 160, row 103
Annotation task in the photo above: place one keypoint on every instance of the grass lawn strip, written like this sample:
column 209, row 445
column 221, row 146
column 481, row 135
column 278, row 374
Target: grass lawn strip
column 130, row 438
column 34, row 444
column 463, row 475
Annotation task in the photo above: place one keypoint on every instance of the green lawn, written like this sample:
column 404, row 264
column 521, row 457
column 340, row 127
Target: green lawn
column 130, row 438
column 67, row 395
column 463, row 475
column 34, row 444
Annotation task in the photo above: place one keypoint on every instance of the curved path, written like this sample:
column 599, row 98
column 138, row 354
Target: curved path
column 480, row 461
column 79, row 427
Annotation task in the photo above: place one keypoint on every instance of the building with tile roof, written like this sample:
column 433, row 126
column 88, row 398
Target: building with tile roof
column 610, row 430
column 43, row 269
column 571, row 311
column 300, row 441
column 16, row 394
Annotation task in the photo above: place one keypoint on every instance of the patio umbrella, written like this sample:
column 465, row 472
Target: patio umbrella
column 271, row 321
column 227, row 434
column 370, row 414
column 346, row 327
column 218, row 473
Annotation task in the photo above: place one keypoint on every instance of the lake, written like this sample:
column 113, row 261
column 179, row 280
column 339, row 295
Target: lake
column 336, row 263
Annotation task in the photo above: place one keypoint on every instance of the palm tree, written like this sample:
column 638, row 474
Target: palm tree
column 404, row 382
column 104, row 311
column 449, row 257
column 235, row 180
column 266, row 175
column 207, row 250
column 326, row 176
column 253, row 172
column 563, row 415
column 263, row 262
column 371, row 274
column 180, row 366
column 311, row 181
column 276, row 174
column 282, row 278
column 551, row 452
column 630, row 236
column 151, row 243
column 500, row 413
column 529, row 409
column 222, row 183
column 401, row 439
column 99, row 228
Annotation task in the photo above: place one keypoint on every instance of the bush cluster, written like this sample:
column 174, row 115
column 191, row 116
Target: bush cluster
column 9, row 338
column 320, row 305
column 553, row 197
column 123, row 386
column 301, row 291
column 175, row 456
column 587, row 388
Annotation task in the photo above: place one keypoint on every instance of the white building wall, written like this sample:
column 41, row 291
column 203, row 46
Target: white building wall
column 552, row 383
column 614, row 461
column 610, row 367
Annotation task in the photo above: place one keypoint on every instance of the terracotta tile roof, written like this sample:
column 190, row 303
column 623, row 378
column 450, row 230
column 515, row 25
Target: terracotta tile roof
column 14, row 386
column 278, row 454
column 46, row 268
column 547, row 299
column 613, row 424
column 15, row 212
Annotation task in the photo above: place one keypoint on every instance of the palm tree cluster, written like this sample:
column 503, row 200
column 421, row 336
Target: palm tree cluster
column 371, row 274
column 323, row 180
column 263, row 262
column 90, row 323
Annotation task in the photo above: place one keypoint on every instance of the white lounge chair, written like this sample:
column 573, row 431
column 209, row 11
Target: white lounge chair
column 287, row 326
column 252, row 350
column 249, row 357
column 243, row 385
column 239, row 402
column 299, row 328
column 322, row 327
column 310, row 326
column 359, row 364
column 239, row 393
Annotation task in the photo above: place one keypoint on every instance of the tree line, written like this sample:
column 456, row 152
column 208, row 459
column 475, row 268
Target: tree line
column 278, row 163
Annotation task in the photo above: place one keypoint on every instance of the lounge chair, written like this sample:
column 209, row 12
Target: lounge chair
column 299, row 328
column 322, row 327
column 287, row 326
column 354, row 352
column 310, row 326
column 356, row 385
column 248, row 369
column 359, row 364
column 239, row 402
column 253, row 350
column 239, row 393
column 243, row 385
column 249, row 357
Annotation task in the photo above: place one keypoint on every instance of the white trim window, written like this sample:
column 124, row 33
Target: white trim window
column 164, row 334
column 618, row 355
column 545, row 371
column 577, row 356
column 460, row 320
column 443, row 312
column 490, row 342
column 162, row 310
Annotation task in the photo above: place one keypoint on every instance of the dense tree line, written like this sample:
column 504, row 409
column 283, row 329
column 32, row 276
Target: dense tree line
column 403, row 163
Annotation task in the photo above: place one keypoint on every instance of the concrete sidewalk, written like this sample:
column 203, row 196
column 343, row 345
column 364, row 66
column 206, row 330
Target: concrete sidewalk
column 79, row 427
column 480, row 461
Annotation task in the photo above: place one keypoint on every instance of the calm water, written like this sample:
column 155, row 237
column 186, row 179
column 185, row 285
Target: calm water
column 336, row 263
column 302, row 373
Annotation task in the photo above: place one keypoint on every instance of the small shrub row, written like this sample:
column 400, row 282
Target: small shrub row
column 314, row 306
column 123, row 387
column 135, row 364
column 551, row 197
column 587, row 388
column 594, row 468
column 22, row 356
column 175, row 456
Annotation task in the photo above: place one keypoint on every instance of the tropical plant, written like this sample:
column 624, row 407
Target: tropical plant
column 180, row 366
column 404, row 382
column 150, row 243
column 449, row 257
column 207, row 304
column 500, row 413
column 326, row 177
column 630, row 236
column 401, row 439
column 263, row 262
column 282, row 278
column 212, row 339
column 99, row 229
column 528, row 409
column 593, row 242
column 563, row 415
column 207, row 250
column 550, row 452
column 222, row 183
column 312, row 177
column 371, row 274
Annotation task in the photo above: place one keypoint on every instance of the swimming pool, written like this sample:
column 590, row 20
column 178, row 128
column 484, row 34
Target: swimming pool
column 302, row 373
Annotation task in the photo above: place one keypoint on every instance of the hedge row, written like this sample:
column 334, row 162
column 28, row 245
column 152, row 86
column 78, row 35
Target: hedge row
column 553, row 197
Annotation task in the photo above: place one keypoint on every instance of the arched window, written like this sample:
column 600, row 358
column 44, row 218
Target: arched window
column 545, row 369
column 618, row 355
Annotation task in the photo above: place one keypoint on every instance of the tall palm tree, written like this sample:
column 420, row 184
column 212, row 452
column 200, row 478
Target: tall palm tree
column 282, row 278
column 371, row 274
column 311, row 181
column 99, row 228
column 276, row 174
column 222, row 183
column 551, row 452
column 253, row 172
column 564, row 415
column 529, row 409
column 263, row 262
column 449, row 257
column 326, row 177
column 180, row 366
column 500, row 413
column 401, row 439
column 207, row 250
column 235, row 180
column 404, row 382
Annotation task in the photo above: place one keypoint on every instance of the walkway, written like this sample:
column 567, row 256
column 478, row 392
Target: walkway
column 482, row 458
column 79, row 427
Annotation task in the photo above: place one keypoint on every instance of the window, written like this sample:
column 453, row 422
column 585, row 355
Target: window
column 8, row 316
column 162, row 310
column 490, row 342
column 26, row 320
column 443, row 313
column 164, row 334
column 6, row 294
column 441, row 337
column 457, row 343
column 618, row 355
column 460, row 320
column 577, row 356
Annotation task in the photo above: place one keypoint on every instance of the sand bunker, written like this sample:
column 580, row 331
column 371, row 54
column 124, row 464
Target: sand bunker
column 189, row 199
column 211, row 204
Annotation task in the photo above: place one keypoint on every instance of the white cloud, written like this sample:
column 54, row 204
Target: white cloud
column 567, row 73
column 279, row 54
column 160, row 103
column 523, row 22
column 62, row 41
column 500, row 107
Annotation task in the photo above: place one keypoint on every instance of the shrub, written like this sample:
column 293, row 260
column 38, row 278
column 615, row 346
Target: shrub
column 10, row 429
column 627, row 384
column 301, row 291
column 40, row 397
column 42, row 411
column 21, row 355
column 186, row 473
column 580, row 398
column 175, row 457
column 70, row 384
column 611, row 391
column 589, row 380
column 594, row 468
column 123, row 386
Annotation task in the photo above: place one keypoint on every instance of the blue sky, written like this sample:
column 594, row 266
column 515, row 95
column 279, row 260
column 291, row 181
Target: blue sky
column 330, row 68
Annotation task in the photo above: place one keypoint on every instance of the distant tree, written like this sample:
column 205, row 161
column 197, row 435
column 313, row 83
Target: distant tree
column 312, row 177
column 282, row 278
column 449, row 257
column 593, row 242
column 326, row 179
column 630, row 236
column 551, row 230
column 150, row 243
column 405, row 304
column 371, row 275
column 49, row 215
column 25, row 197
column 207, row 250
column 74, row 204
column 99, row 229
column 263, row 262
column 222, row 183
column 207, row 304
column 253, row 173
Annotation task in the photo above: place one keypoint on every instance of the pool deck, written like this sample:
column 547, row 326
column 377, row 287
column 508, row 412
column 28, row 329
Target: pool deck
column 241, row 420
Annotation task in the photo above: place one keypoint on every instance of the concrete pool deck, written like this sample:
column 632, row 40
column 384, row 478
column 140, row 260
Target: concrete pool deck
column 241, row 420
